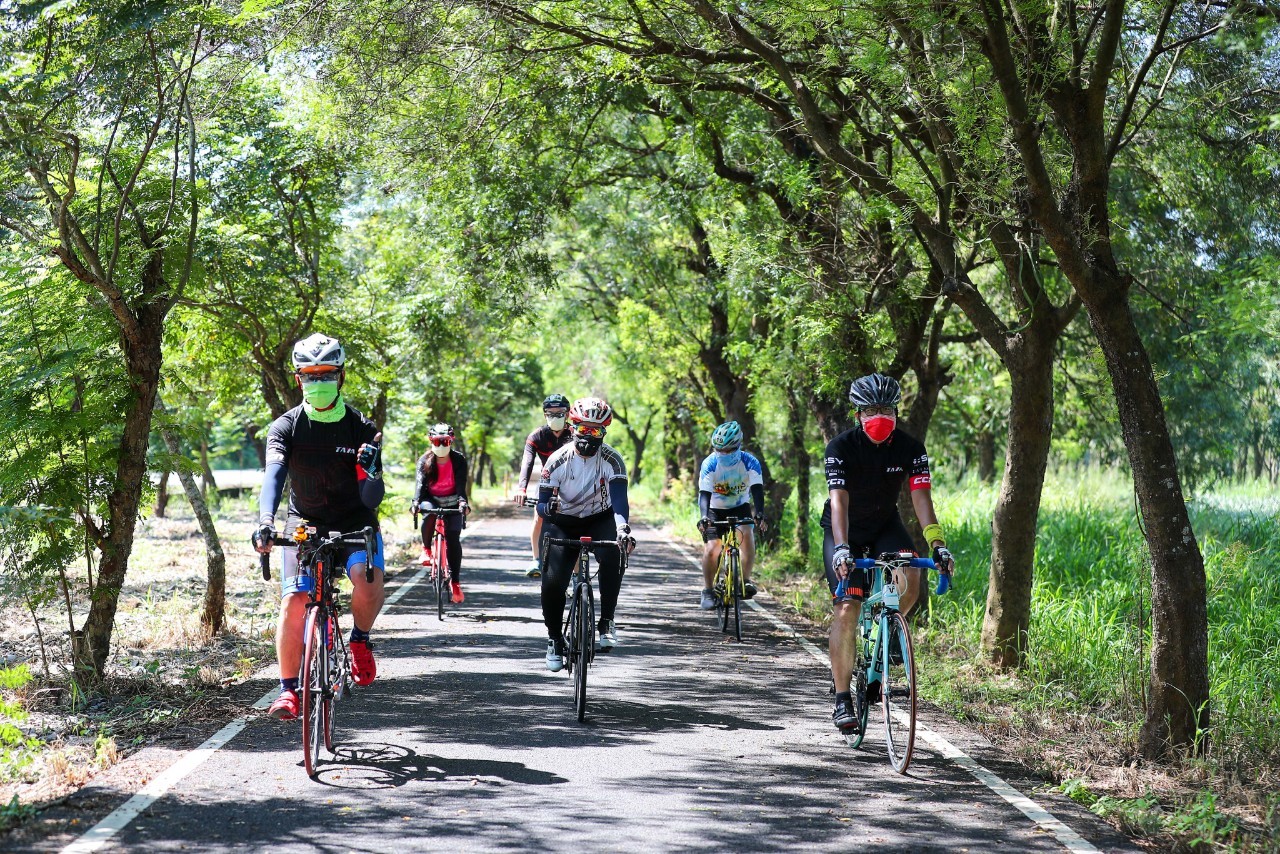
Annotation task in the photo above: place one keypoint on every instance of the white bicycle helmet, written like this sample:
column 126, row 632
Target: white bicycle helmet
column 318, row 351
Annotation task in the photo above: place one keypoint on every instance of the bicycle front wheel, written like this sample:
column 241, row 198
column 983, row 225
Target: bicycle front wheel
column 336, row 678
column 314, row 676
column 584, row 637
column 736, row 593
column 898, row 690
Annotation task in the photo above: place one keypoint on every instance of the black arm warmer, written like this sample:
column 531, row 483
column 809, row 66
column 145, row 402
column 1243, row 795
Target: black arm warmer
column 371, row 492
column 757, row 498
column 272, row 488
column 704, row 504
column 544, row 501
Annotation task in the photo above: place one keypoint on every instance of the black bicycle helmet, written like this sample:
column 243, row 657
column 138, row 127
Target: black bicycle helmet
column 875, row 390
column 555, row 401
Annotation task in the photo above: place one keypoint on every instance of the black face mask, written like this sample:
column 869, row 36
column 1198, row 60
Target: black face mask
column 587, row 446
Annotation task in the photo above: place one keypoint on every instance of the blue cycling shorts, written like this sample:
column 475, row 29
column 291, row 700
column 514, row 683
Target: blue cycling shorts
column 293, row 581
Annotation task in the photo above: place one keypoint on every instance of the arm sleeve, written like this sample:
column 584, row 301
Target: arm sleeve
column 618, row 498
column 372, row 489
column 704, row 504
column 272, row 488
column 526, row 463
column 757, row 497
column 460, row 476
column 544, row 500
column 419, row 484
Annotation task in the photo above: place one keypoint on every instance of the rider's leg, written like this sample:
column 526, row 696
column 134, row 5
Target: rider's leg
column 710, row 557
column 555, row 581
column 366, row 596
column 453, row 545
column 841, row 642
column 609, row 562
column 535, row 537
column 289, row 640
column 747, row 547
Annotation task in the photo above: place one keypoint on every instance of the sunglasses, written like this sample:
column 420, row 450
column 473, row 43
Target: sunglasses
column 446, row 441
column 587, row 431
column 321, row 375
column 555, row 413
column 878, row 410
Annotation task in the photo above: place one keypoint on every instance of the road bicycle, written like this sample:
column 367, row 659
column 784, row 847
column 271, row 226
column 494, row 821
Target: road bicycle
column 885, row 654
column 580, row 623
column 437, row 552
column 326, row 662
column 729, row 590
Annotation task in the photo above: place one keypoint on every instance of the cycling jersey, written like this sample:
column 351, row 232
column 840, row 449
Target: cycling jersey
column 321, row 462
column 542, row 443
column 873, row 476
column 729, row 485
column 583, row 481
column 428, row 486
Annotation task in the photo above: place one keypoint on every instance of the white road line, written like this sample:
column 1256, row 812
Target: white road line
column 1043, row 819
column 102, row 832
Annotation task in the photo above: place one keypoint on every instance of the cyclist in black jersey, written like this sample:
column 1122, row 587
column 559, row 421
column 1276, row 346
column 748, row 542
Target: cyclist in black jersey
column 866, row 468
column 331, row 455
column 542, row 443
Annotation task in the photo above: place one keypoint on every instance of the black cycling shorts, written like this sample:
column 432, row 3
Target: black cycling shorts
column 891, row 538
column 723, row 514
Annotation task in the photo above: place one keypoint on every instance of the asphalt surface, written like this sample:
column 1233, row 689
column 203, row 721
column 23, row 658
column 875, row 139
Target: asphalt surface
column 467, row 743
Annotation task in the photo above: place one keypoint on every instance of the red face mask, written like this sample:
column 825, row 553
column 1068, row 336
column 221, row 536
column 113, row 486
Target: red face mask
column 878, row 427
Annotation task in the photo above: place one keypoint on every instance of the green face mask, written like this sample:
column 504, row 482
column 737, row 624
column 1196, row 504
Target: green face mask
column 317, row 398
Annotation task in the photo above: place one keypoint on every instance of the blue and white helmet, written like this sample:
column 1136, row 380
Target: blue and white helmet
column 727, row 437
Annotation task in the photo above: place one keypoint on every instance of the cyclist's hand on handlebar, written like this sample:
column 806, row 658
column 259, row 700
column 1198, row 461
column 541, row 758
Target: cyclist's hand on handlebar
column 626, row 542
column 369, row 457
column 762, row 524
column 841, row 560
column 704, row 525
column 263, row 538
column 465, row 507
column 942, row 557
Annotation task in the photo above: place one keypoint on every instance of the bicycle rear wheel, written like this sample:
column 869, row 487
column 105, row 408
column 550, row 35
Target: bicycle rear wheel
column 898, row 687
column 314, row 677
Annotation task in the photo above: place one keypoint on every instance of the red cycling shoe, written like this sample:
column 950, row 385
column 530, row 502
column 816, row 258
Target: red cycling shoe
column 363, row 668
column 285, row 708
column 425, row 560
column 456, row 589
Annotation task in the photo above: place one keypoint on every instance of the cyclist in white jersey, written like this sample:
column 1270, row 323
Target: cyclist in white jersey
column 589, row 482
column 730, row 482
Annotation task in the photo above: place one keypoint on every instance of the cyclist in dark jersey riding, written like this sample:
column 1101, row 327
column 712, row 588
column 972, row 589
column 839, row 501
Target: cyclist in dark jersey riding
column 866, row 468
column 442, row 482
column 330, row 454
column 542, row 443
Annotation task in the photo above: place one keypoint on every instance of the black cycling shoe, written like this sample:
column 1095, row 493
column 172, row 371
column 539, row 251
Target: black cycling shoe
column 845, row 717
column 749, row 589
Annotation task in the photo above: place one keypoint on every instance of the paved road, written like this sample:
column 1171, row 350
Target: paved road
column 467, row 743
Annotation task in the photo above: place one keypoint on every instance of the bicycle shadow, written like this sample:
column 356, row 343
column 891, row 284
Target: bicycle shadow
column 378, row 765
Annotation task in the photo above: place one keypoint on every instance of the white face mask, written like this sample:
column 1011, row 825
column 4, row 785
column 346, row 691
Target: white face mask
column 556, row 424
column 440, row 450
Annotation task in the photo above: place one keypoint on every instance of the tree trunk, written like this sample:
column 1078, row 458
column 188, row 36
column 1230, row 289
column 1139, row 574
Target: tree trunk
column 162, row 495
column 207, row 480
column 253, row 432
column 1178, row 701
column 143, row 357
column 1013, row 526
column 213, row 612
column 987, row 456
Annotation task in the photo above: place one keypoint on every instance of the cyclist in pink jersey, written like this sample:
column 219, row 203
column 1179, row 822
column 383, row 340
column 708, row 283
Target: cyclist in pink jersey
column 442, row 482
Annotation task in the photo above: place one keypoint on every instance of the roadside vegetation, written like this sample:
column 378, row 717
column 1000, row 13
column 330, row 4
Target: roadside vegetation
column 1054, row 223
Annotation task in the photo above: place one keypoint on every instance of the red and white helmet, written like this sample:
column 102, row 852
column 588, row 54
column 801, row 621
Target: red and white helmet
column 590, row 410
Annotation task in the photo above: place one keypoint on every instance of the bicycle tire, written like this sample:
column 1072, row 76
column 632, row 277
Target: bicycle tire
column 585, row 638
column 736, row 593
column 859, row 690
column 898, row 691
column 313, row 665
column 337, row 680
column 441, row 577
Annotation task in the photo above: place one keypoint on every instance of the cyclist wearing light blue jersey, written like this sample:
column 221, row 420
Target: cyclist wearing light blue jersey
column 729, row 483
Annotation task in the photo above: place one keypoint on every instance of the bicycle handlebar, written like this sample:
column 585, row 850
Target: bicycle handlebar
column 900, row 559
column 366, row 536
column 424, row 507
column 726, row 524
